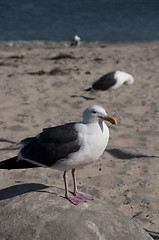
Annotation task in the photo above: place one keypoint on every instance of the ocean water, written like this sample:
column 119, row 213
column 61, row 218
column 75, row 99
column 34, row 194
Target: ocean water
column 92, row 20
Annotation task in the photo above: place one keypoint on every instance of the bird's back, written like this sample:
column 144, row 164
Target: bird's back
column 105, row 82
column 51, row 145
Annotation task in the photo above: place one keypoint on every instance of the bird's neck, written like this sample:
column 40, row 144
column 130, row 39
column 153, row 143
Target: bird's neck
column 97, row 124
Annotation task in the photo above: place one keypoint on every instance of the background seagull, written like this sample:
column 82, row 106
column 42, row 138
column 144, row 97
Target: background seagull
column 111, row 81
column 76, row 41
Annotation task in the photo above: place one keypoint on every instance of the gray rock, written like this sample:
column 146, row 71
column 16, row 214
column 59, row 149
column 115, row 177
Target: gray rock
column 30, row 211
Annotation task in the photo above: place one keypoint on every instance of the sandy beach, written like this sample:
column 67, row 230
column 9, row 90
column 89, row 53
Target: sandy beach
column 44, row 86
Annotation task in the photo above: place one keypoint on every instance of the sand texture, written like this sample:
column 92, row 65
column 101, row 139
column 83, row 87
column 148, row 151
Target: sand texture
column 43, row 87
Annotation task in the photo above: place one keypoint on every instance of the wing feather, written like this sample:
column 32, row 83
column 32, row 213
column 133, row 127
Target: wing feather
column 51, row 145
column 105, row 82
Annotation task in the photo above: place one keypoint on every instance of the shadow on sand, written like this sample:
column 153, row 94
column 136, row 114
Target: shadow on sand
column 125, row 155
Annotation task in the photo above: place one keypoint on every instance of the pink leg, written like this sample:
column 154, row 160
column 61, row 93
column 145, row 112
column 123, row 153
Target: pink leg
column 75, row 200
column 78, row 194
column 112, row 96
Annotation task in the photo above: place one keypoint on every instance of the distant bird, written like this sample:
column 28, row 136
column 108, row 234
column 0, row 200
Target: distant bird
column 111, row 81
column 76, row 41
column 66, row 147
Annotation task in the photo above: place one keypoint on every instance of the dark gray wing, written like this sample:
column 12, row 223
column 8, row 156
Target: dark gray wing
column 105, row 82
column 52, row 144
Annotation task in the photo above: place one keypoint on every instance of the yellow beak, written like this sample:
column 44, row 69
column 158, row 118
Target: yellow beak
column 110, row 119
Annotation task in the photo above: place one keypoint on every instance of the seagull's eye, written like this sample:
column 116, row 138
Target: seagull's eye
column 94, row 112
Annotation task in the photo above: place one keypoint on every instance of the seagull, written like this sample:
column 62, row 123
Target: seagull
column 66, row 147
column 111, row 81
column 76, row 41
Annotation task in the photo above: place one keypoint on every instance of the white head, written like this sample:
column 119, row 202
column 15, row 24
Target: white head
column 96, row 114
column 130, row 79
column 124, row 77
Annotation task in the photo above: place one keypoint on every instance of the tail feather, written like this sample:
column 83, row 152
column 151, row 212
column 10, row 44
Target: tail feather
column 12, row 163
column 87, row 89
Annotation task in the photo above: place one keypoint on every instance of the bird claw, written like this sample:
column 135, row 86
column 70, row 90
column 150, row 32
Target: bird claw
column 76, row 200
column 79, row 198
column 83, row 196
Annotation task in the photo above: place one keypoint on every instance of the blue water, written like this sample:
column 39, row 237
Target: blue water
column 92, row 20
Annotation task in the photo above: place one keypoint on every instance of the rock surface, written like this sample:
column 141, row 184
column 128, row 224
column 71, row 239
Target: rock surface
column 32, row 211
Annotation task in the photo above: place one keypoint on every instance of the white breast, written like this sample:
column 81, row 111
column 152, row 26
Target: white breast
column 93, row 139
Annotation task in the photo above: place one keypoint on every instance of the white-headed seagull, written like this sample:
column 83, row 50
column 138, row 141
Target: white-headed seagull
column 111, row 81
column 66, row 147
